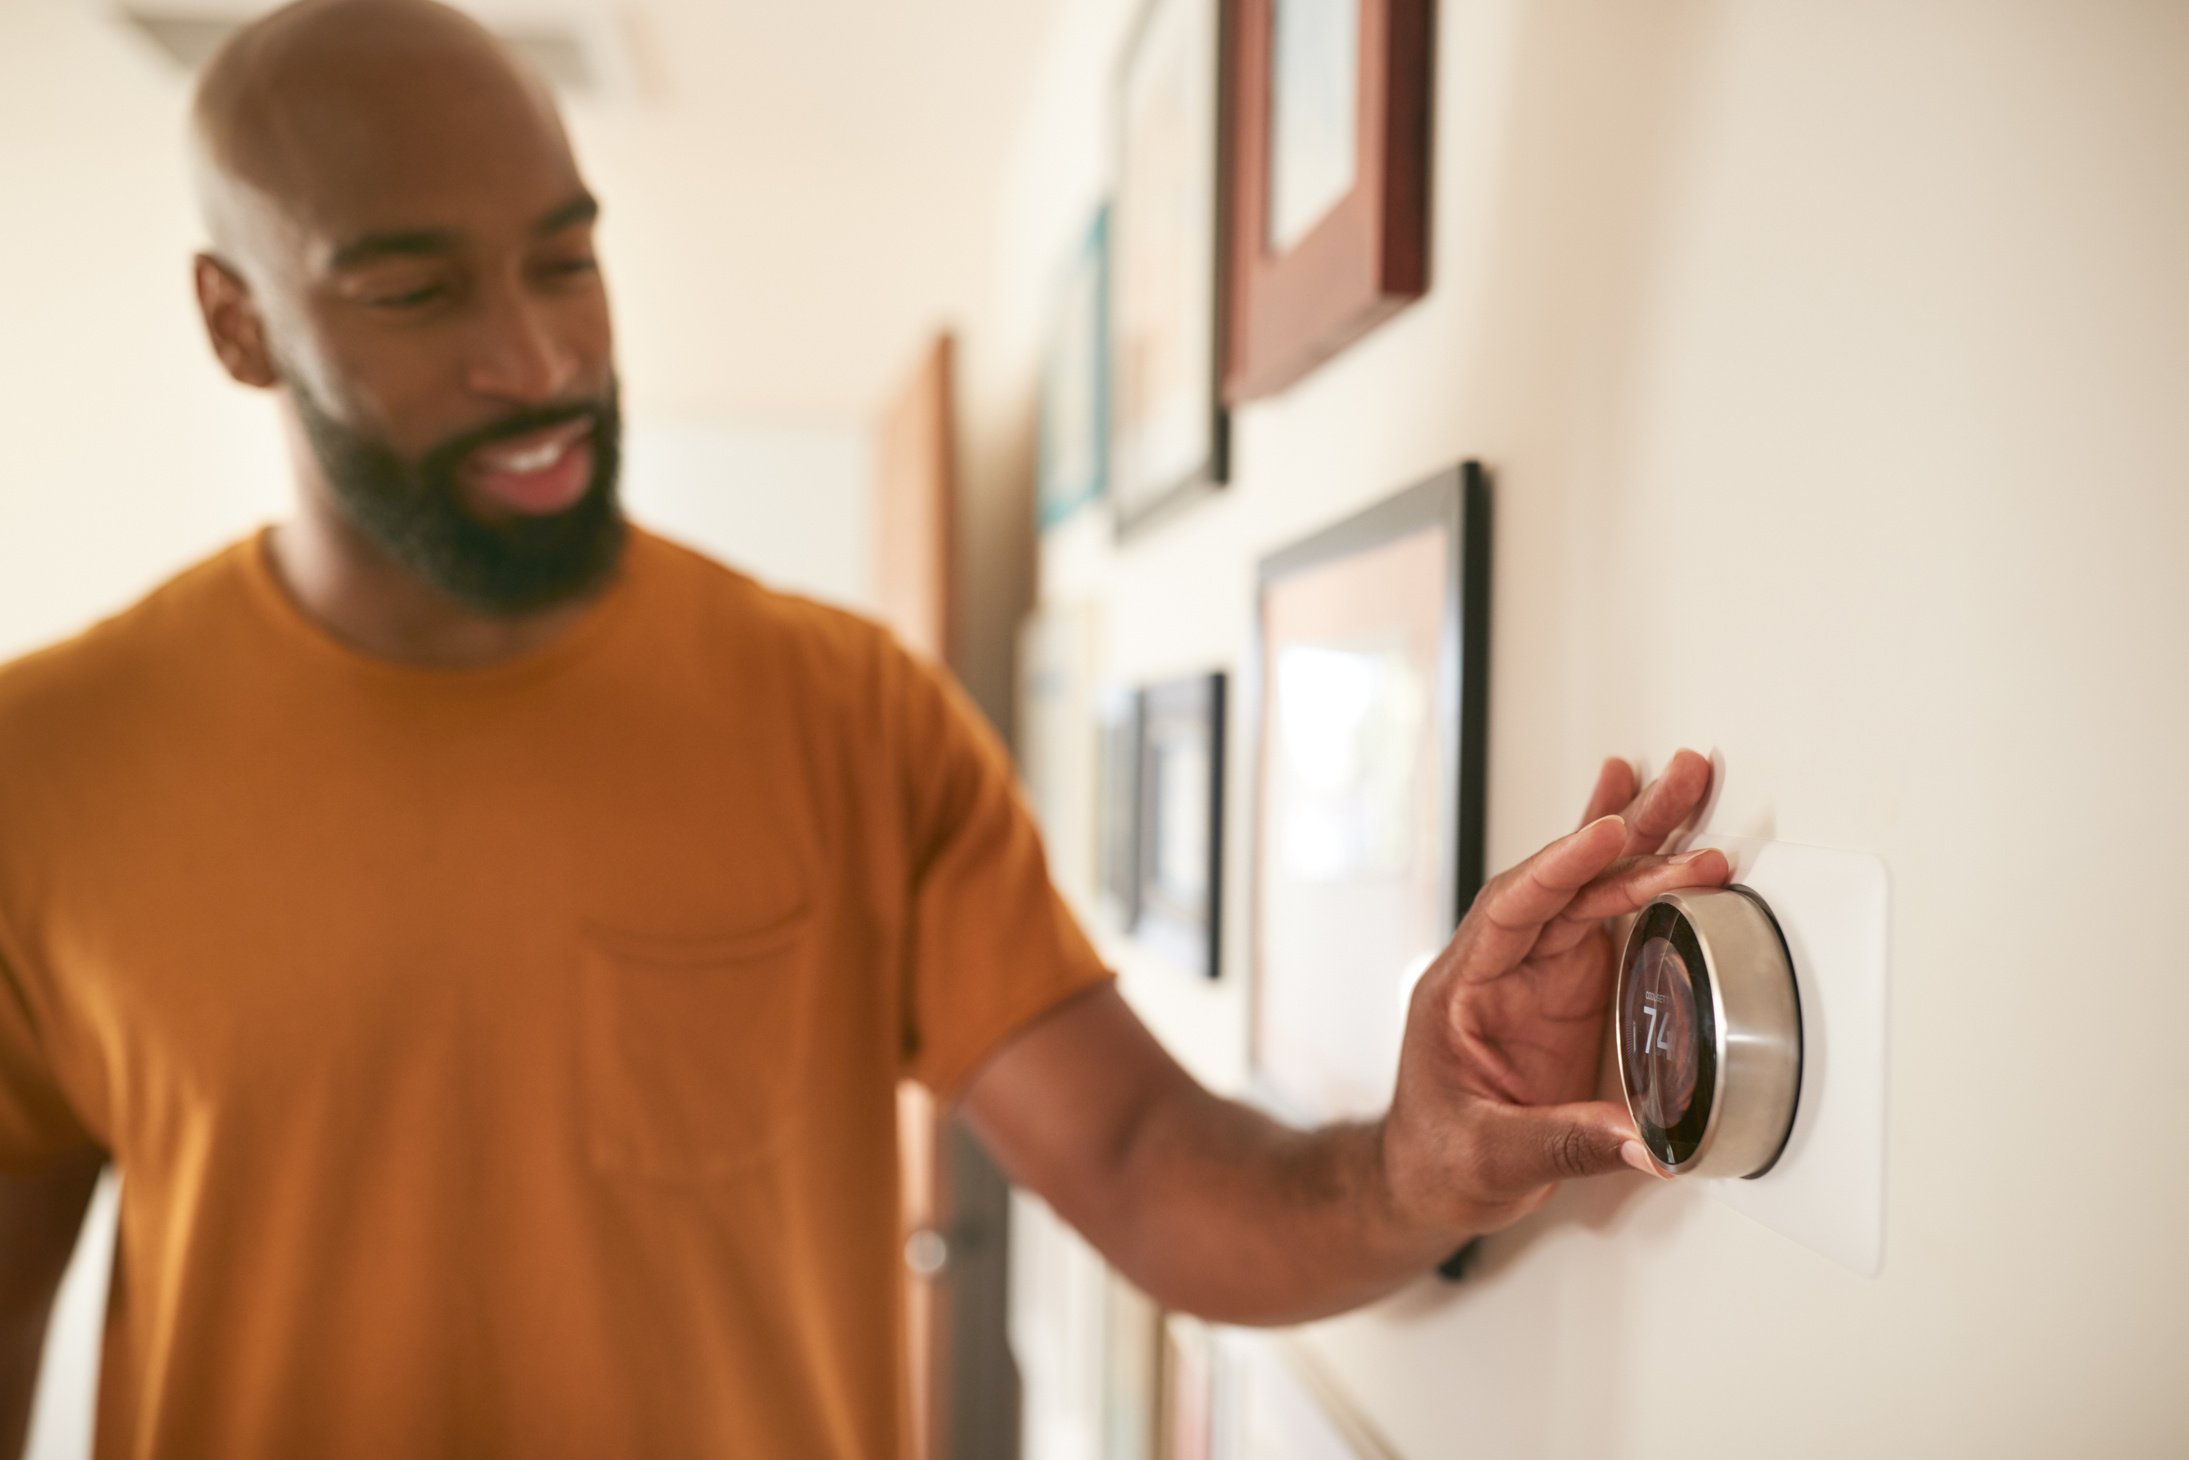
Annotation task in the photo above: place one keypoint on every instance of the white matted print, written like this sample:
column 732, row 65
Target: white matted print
column 1166, row 262
column 1355, row 802
column 1059, row 734
column 1181, row 821
column 1073, row 459
column 1314, row 113
column 1189, row 1389
column 1370, row 682
column 1132, row 1372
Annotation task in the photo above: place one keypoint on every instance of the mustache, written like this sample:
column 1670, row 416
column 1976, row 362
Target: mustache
column 445, row 457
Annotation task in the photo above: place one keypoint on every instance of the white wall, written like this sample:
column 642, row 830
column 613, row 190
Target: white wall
column 1830, row 361
column 128, row 454
column 790, row 505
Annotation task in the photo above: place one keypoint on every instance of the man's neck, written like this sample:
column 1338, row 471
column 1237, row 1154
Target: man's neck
column 351, row 588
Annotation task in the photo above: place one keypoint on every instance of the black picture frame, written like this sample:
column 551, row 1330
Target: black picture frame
column 1456, row 504
column 1181, row 844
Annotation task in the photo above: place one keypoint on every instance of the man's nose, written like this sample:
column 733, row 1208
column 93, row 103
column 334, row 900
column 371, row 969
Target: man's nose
column 519, row 356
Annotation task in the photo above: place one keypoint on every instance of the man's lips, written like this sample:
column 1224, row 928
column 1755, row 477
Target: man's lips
column 534, row 474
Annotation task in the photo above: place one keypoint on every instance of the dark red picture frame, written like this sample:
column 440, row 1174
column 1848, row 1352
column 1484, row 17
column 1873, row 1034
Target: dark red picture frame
column 1368, row 257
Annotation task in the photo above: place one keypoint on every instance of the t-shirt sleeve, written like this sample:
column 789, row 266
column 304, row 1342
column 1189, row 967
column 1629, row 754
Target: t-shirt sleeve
column 37, row 1124
column 992, row 944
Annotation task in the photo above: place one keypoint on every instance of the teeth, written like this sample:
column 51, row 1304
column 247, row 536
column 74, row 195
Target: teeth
column 524, row 463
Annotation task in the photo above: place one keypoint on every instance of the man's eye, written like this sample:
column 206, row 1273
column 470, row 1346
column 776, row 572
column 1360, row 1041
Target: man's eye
column 571, row 267
column 409, row 298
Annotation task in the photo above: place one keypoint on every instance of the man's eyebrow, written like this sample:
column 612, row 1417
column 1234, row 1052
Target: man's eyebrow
column 410, row 243
column 439, row 242
column 584, row 208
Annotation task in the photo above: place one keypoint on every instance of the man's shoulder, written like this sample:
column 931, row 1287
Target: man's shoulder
column 828, row 639
column 99, row 669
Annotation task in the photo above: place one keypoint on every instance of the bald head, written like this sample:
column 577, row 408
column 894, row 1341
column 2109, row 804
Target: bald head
column 402, row 246
column 322, row 106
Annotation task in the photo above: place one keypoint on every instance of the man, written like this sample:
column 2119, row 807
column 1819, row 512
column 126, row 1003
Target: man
column 487, row 937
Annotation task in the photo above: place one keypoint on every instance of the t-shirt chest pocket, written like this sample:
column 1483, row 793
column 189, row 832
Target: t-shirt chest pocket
column 690, row 1048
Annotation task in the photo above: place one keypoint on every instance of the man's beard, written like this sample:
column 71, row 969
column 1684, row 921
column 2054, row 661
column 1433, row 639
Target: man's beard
column 416, row 513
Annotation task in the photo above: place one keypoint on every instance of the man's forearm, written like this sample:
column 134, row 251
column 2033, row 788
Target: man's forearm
column 1211, row 1207
column 1221, row 1211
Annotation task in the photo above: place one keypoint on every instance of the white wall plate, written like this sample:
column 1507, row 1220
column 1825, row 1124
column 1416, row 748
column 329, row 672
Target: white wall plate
column 1827, row 1191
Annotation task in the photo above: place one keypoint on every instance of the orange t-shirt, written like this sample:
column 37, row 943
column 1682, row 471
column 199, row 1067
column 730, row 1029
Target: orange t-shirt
column 502, row 1062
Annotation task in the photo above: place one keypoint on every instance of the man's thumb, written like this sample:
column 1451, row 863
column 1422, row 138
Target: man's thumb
column 1534, row 1145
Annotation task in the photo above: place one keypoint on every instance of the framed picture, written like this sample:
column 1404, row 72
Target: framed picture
column 1074, row 449
column 1182, row 820
column 1058, row 750
column 1371, row 680
column 1188, row 1390
column 1275, row 1403
column 1330, row 200
column 1058, row 1298
column 1169, row 439
column 1117, row 811
column 1058, row 1305
column 1131, row 1372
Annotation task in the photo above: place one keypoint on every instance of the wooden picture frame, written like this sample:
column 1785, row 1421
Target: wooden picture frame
column 1325, row 245
column 1369, row 711
column 1181, row 860
column 1169, row 255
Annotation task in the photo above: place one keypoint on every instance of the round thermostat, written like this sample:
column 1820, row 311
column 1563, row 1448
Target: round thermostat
column 1709, row 1033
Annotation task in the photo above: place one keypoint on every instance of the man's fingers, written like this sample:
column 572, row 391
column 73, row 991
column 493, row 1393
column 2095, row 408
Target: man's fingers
column 1627, row 888
column 1666, row 802
column 1515, row 905
column 1522, row 1147
column 1615, row 787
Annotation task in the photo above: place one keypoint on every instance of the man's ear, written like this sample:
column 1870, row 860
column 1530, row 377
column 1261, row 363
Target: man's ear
column 233, row 323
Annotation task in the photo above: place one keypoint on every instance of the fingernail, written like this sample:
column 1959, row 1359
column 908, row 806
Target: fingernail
column 1615, row 819
column 1682, row 861
column 1633, row 1154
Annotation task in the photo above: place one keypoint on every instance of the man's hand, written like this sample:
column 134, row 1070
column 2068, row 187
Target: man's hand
column 1505, row 1032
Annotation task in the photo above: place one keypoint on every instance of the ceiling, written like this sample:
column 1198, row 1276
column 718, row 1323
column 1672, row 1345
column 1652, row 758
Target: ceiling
column 796, row 191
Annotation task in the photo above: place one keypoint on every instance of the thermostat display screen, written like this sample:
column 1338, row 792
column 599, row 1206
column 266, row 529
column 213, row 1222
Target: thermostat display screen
column 1668, row 1036
column 1660, row 1016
